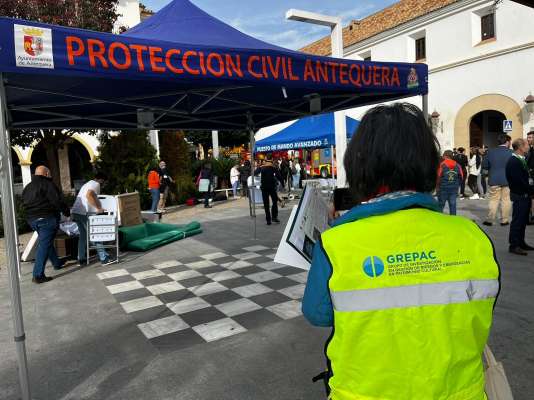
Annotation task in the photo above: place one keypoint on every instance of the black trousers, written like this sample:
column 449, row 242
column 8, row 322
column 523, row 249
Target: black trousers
column 520, row 213
column 472, row 182
column 462, row 184
column 266, row 194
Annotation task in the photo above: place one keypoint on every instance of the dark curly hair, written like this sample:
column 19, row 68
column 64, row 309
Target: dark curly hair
column 393, row 148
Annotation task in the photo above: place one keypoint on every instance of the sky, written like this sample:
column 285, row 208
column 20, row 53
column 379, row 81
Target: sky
column 265, row 19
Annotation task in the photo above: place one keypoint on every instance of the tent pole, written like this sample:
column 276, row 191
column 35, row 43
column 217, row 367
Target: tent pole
column 252, row 191
column 425, row 106
column 12, row 251
column 333, row 165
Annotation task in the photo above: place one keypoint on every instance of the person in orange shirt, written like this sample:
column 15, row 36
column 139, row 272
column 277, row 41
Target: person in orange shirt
column 154, row 182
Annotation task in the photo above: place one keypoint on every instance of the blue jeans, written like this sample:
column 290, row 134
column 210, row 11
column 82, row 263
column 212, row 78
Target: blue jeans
column 448, row 195
column 234, row 188
column 155, row 199
column 81, row 221
column 46, row 228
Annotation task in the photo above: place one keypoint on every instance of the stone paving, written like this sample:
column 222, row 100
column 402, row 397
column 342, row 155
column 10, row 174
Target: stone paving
column 201, row 319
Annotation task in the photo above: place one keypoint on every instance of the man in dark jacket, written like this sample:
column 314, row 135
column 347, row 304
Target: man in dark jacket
column 44, row 203
column 462, row 161
column 498, row 192
column 270, row 176
column 521, row 192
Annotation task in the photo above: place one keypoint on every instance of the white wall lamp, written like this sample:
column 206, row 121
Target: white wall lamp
column 530, row 103
column 435, row 122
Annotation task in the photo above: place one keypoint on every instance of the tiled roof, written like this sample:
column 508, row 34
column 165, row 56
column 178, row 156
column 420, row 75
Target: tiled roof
column 388, row 18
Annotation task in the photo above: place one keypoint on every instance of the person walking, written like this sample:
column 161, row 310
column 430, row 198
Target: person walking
column 154, row 183
column 87, row 203
column 410, row 306
column 43, row 203
column 475, row 166
column 521, row 192
column 205, row 183
column 234, row 180
column 244, row 173
column 499, row 192
column 463, row 161
column 166, row 180
column 449, row 178
column 270, row 178
column 295, row 174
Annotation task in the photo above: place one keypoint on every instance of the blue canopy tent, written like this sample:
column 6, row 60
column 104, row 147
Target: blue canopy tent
column 307, row 133
column 180, row 69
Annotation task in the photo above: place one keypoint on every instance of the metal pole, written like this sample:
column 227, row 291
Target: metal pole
column 339, row 116
column 425, row 106
column 12, row 251
column 253, row 188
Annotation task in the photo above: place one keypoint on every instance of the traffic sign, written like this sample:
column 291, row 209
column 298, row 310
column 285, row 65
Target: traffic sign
column 507, row 125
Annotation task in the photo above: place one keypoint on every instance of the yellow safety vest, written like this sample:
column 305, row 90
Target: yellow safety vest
column 413, row 294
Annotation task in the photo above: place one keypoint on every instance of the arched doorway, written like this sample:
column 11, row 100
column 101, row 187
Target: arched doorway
column 484, row 128
column 486, row 103
column 80, row 164
column 17, row 170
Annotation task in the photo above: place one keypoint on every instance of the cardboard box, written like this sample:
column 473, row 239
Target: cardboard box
column 66, row 246
column 129, row 209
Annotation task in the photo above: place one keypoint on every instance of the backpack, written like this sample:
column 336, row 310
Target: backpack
column 293, row 170
column 450, row 176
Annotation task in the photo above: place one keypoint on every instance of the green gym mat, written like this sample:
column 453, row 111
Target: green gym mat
column 148, row 236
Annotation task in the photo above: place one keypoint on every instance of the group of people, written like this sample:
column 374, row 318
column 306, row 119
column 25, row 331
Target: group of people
column 277, row 175
column 159, row 181
column 510, row 185
column 473, row 173
column 44, row 204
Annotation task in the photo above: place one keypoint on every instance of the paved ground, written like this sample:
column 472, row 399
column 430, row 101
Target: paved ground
column 227, row 320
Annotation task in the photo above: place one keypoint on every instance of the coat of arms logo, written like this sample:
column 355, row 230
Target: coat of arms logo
column 413, row 79
column 33, row 41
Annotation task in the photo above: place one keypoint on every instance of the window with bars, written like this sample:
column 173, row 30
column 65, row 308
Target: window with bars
column 488, row 26
column 420, row 49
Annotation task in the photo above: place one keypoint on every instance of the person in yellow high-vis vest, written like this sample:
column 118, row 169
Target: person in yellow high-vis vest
column 408, row 290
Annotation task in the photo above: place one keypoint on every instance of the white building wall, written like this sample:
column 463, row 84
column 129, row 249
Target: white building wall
column 450, row 35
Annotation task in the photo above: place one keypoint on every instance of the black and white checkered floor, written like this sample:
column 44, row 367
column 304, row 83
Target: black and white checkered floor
column 183, row 302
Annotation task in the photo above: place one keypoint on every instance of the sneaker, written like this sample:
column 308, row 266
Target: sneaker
column 107, row 261
column 505, row 223
column 487, row 223
column 41, row 279
column 475, row 197
column 526, row 247
column 276, row 220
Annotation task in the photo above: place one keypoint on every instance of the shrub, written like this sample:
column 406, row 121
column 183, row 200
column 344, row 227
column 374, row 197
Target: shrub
column 22, row 225
column 221, row 168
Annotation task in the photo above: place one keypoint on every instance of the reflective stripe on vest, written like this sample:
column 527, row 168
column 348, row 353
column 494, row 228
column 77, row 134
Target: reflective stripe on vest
column 414, row 295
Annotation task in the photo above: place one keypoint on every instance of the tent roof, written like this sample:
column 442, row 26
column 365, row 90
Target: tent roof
column 179, row 22
column 180, row 69
column 309, row 132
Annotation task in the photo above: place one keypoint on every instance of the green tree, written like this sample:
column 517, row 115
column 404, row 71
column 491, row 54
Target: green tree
column 126, row 159
column 98, row 15
column 175, row 151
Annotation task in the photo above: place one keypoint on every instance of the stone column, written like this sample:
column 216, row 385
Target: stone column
column 64, row 168
column 25, row 168
column 153, row 137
